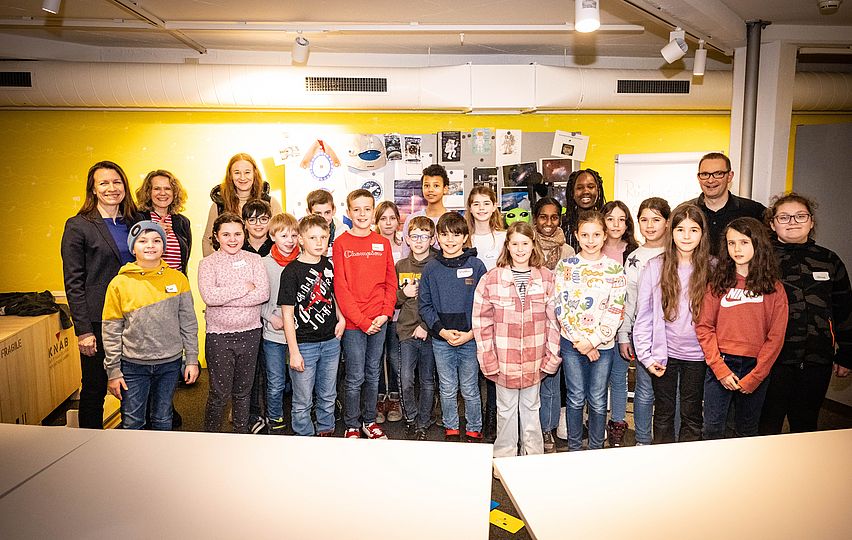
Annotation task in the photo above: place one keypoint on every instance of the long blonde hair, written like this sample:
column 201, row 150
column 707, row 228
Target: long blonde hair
column 525, row 229
column 143, row 194
column 229, row 192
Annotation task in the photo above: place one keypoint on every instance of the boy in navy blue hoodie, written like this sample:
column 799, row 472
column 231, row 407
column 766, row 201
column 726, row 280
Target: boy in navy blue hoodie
column 446, row 303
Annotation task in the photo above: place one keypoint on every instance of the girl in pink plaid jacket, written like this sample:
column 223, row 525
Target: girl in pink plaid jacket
column 517, row 337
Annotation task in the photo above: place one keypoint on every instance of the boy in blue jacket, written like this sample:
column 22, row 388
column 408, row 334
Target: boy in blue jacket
column 446, row 304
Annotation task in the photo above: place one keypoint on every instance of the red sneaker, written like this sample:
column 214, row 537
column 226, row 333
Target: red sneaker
column 329, row 433
column 473, row 436
column 452, row 435
column 373, row 431
column 352, row 433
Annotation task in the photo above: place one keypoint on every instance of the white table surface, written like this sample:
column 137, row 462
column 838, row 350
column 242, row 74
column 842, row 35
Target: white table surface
column 785, row 486
column 126, row 484
column 27, row 450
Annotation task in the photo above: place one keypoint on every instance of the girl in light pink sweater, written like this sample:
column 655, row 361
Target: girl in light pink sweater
column 234, row 285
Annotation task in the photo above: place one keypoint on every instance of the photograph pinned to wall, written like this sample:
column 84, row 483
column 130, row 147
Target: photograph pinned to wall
column 485, row 176
column 481, row 141
column 515, row 205
column 450, row 144
column 411, row 149
column 570, row 145
column 320, row 160
column 408, row 196
column 318, row 167
column 556, row 169
column 393, row 148
column 454, row 199
column 516, row 175
column 508, row 147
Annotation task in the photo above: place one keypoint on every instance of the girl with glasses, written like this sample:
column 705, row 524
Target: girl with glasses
column 818, row 341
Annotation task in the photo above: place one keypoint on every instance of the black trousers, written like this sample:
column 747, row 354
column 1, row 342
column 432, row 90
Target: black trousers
column 690, row 376
column 93, row 387
column 795, row 392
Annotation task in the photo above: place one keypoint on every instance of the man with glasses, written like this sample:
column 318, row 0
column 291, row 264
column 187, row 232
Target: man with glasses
column 719, row 205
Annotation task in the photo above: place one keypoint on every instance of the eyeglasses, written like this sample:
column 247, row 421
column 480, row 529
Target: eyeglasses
column 784, row 219
column 262, row 220
column 718, row 175
column 419, row 237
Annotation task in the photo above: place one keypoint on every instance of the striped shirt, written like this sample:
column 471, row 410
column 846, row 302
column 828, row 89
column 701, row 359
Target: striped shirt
column 171, row 253
column 522, row 279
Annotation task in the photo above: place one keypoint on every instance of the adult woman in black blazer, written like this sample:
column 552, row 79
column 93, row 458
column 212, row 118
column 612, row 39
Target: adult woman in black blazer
column 161, row 198
column 94, row 247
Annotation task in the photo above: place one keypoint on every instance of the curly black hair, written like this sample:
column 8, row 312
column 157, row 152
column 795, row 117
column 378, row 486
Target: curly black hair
column 572, row 210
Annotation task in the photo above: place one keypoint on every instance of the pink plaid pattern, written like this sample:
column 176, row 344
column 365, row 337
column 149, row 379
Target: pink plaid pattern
column 515, row 345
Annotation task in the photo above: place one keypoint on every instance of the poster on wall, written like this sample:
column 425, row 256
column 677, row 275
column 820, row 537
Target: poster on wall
column 286, row 149
column 408, row 196
column 318, row 167
column 454, row 199
column 556, row 169
column 485, row 176
column 450, row 146
column 393, row 148
column 367, row 152
column 569, row 145
column 481, row 140
column 411, row 151
column 508, row 147
column 516, row 175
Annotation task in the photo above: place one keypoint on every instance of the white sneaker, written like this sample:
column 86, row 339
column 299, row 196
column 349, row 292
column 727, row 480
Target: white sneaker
column 562, row 425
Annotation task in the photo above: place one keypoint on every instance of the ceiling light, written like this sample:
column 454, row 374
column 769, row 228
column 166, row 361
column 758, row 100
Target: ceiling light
column 301, row 49
column 587, row 15
column 51, row 6
column 676, row 47
column 827, row 7
column 700, row 61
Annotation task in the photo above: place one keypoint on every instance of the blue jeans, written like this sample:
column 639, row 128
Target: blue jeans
column 618, row 387
column 417, row 357
column 458, row 369
column 146, row 382
column 276, row 358
column 717, row 401
column 551, row 401
column 363, row 355
column 320, row 378
column 586, row 382
column 643, row 404
column 389, row 379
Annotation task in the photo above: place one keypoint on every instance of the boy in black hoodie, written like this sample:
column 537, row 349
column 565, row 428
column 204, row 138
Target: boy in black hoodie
column 446, row 304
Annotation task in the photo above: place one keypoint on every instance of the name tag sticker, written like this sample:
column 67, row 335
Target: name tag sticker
column 464, row 272
column 171, row 288
column 378, row 247
column 821, row 276
column 239, row 264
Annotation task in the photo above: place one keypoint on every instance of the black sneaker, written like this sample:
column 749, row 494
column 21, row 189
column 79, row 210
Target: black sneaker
column 615, row 432
column 409, row 431
column 276, row 427
column 258, row 426
column 420, row 435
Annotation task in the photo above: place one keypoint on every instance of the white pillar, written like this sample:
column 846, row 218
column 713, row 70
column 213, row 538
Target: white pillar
column 774, row 113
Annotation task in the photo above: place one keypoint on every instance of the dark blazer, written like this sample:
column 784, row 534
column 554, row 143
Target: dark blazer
column 90, row 260
column 180, row 225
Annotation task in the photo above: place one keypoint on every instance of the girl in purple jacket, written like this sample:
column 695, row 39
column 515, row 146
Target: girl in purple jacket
column 671, row 292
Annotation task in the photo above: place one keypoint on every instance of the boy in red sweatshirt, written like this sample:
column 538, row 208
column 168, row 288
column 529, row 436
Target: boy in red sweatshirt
column 365, row 286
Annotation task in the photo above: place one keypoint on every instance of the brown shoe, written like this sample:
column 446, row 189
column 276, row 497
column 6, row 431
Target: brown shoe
column 392, row 411
column 381, row 405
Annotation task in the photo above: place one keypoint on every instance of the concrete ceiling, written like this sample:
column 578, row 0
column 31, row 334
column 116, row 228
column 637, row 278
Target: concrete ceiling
column 106, row 30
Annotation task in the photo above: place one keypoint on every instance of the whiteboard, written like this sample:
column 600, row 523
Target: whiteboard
column 668, row 175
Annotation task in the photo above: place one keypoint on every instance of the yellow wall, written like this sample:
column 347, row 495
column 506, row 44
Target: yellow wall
column 46, row 154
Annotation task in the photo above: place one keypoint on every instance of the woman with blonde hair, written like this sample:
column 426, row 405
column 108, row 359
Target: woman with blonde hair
column 161, row 198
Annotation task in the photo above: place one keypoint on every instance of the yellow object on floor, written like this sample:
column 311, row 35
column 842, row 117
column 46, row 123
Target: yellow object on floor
column 505, row 521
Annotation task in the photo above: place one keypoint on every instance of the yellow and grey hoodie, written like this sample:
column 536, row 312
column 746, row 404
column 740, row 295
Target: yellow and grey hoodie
column 148, row 318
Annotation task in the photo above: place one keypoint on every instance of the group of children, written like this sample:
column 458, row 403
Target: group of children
column 462, row 297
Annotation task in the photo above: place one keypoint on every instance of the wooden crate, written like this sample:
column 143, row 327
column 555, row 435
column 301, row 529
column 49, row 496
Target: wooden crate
column 39, row 367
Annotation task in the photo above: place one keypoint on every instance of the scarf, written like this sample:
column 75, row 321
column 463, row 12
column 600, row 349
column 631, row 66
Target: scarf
column 282, row 259
column 551, row 246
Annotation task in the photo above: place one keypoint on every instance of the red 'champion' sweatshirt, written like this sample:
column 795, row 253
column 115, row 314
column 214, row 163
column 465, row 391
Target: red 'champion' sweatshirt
column 364, row 278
